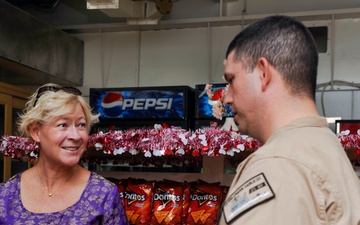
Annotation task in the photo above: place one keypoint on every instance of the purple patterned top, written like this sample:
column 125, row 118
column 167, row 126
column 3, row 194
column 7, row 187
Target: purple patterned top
column 100, row 203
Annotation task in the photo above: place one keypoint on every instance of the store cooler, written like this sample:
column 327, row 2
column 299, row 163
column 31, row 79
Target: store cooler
column 204, row 118
column 142, row 108
column 203, row 106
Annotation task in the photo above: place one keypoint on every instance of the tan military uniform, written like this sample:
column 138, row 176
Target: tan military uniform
column 301, row 176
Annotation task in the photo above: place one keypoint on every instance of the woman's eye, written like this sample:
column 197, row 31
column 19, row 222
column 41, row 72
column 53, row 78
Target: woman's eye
column 82, row 125
column 62, row 125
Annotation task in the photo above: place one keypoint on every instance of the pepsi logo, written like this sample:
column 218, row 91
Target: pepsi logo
column 112, row 103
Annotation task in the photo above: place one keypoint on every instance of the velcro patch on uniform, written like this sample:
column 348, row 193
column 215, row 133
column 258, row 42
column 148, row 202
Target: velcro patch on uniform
column 250, row 194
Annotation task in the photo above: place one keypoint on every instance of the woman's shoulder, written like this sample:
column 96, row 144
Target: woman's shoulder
column 98, row 180
column 14, row 180
column 10, row 187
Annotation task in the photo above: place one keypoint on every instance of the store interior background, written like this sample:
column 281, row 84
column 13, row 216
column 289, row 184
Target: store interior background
column 187, row 47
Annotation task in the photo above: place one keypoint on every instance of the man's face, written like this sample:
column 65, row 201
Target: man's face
column 242, row 93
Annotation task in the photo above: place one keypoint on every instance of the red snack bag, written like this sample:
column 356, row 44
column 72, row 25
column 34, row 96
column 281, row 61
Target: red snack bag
column 167, row 203
column 138, row 199
column 205, row 202
column 186, row 201
column 204, row 182
column 121, row 184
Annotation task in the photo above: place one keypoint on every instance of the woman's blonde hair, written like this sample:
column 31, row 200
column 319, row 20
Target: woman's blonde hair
column 50, row 101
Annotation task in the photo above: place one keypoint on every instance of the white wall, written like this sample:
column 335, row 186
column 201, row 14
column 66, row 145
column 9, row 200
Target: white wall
column 339, row 101
column 195, row 56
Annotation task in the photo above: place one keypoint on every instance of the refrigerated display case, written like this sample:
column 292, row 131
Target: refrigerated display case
column 204, row 105
column 205, row 116
column 142, row 108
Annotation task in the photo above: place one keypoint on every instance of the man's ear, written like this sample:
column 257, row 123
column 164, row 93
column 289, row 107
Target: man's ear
column 34, row 133
column 264, row 66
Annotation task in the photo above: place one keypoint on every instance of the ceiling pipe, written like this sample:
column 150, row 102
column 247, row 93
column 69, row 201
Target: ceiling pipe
column 209, row 54
column 332, row 50
column 243, row 12
column 221, row 8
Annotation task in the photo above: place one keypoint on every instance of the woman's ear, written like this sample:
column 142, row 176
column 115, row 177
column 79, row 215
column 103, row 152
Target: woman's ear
column 266, row 77
column 34, row 133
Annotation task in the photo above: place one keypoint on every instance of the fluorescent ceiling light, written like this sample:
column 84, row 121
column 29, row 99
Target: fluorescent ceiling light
column 102, row 4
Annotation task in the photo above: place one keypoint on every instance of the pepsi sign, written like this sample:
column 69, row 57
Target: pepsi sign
column 145, row 103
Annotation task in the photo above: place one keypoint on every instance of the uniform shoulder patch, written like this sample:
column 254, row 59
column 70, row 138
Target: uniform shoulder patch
column 250, row 194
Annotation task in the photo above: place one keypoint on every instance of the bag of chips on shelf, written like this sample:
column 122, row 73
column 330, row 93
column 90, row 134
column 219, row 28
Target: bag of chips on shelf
column 138, row 201
column 205, row 203
column 167, row 203
column 121, row 185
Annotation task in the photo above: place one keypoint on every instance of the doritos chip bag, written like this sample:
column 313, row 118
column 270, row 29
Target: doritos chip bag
column 167, row 203
column 138, row 199
column 205, row 202
column 186, row 201
column 121, row 184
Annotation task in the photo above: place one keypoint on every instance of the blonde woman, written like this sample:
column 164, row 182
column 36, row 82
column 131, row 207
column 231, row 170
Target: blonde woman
column 57, row 190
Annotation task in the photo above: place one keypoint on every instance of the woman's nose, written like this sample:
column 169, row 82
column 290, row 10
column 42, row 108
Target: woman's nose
column 74, row 133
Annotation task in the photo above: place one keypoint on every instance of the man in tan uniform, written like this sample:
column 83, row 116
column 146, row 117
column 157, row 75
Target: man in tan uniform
column 301, row 175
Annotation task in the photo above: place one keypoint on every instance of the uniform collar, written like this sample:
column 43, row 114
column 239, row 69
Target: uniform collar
column 310, row 121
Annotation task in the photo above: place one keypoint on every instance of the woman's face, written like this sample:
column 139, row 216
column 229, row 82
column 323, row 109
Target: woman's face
column 63, row 139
